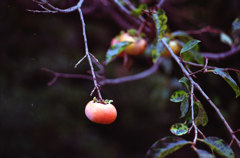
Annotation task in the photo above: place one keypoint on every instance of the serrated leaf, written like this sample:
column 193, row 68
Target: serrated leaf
column 166, row 146
column 184, row 106
column 160, row 20
column 139, row 10
column 189, row 45
column 228, row 79
column 115, row 50
column 202, row 118
column 179, row 129
column 178, row 96
column 218, row 146
column 185, row 81
column 203, row 154
column 225, row 39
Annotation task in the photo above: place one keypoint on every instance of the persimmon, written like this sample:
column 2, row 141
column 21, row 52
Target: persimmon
column 175, row 46
column 137, row 46
column 100, row 112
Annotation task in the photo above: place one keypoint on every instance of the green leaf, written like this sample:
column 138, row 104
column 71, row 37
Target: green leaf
column 185, row 81
column 219, row 146
column 191, row 52
column 166, row 146
column 236, row 28
column 184, row 106
column 225, row 39
column 202, row 118
column 115, row 50
column 179, row 129
column 178, row 96
column 203, row 154
column 236, row 24
column 160, row 20
column 157, row 50
column 139, row 10
column 228, row 79
column 189, row 45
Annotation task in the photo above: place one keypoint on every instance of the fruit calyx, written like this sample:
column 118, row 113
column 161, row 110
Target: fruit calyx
column 102, row 101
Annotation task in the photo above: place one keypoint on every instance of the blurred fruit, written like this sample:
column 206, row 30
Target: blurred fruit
column 175, row 46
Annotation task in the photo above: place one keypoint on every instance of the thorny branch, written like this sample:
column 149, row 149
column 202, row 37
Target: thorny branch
column 196, row 85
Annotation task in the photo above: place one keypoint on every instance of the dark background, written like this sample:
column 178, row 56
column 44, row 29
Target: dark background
column 46, row 122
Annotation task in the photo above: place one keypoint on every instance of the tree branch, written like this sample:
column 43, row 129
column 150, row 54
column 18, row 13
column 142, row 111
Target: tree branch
column 64, row 75
column 96, row 86
column 141, row 75
column 222, row 55
column 49, row 8
column 186, row 73
column 160, row 3
column 128, row 15
column 192, row 115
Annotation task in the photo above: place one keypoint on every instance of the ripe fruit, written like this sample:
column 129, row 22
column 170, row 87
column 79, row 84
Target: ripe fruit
column 136, row 48
column 175, row 46
column 100, row 113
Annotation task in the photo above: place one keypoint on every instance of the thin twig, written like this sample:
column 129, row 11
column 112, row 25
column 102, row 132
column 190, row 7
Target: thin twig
column 192, row 115
column 128, row 15
column 186, row 73
column 88, row 55
column 79, row 62
column 210, row 67
column 204, row 137
column 64, row 75
column 52, row 9
column 160, row 3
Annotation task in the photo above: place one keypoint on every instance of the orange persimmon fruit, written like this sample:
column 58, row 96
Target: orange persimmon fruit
column 102, row 113
column 137, row 47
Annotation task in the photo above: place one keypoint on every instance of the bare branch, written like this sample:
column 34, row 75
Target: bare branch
column 192, row 115
column 222, row 55
column 206, row 29
column 64, row 75
column 141, row 75
column 160, row 3
column 49, row 8
column 88, row 55
column 79, row 62
column 209, row 67
column 128, row 15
